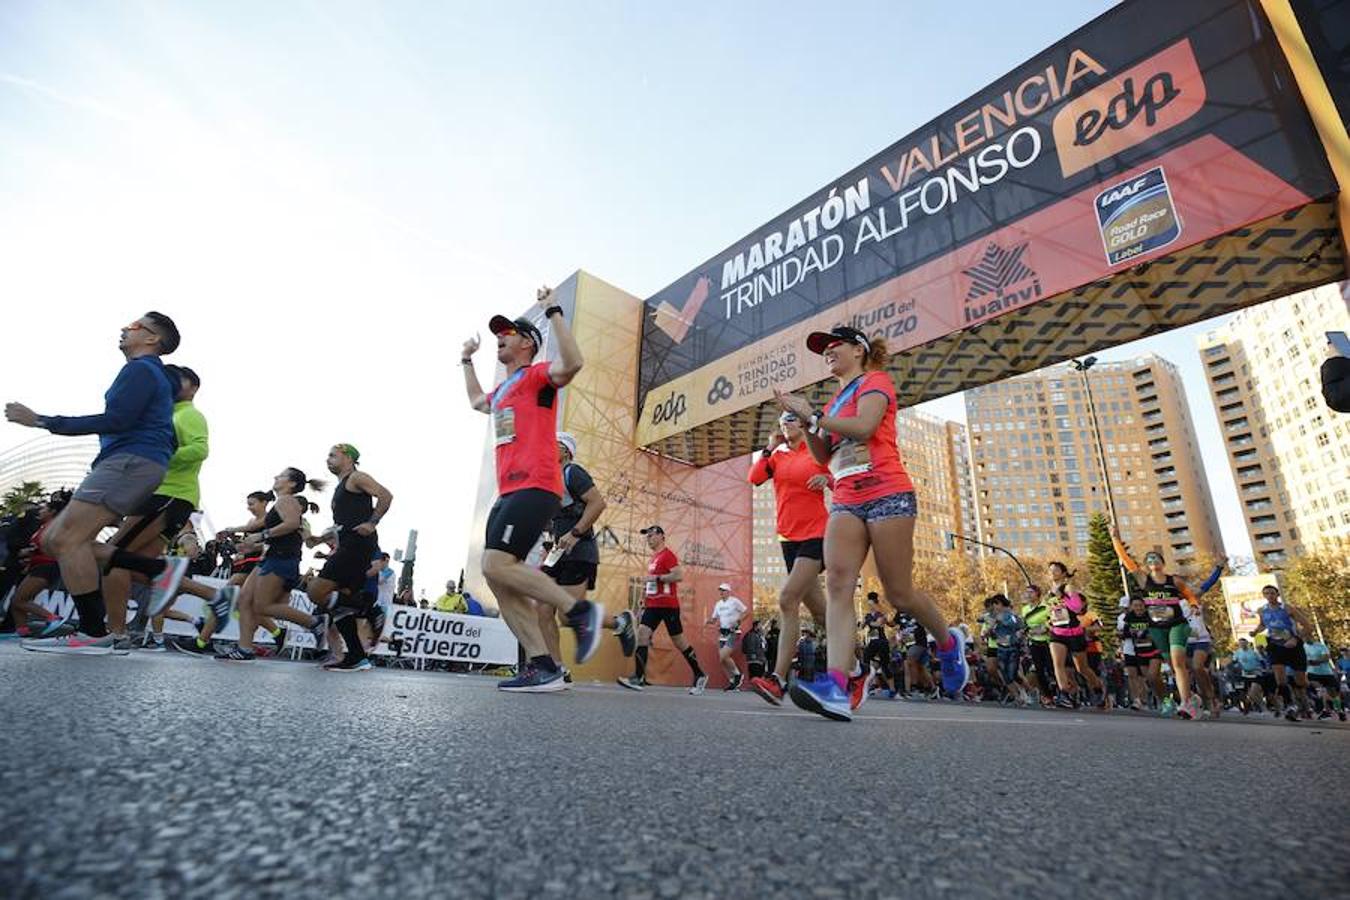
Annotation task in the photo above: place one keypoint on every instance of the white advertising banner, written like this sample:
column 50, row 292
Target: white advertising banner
column 429, row 634
column 409, row 632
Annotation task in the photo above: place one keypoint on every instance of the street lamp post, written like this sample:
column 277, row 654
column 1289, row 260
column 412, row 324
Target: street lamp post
column 953, row 537
column 1081, row 366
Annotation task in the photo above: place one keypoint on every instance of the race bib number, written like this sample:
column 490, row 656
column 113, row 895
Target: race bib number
column 850, row 458
column 652, row 587
column 504, row 426
column 1004, row 640
column 1281, row 634
column 1059, row 616
column 1161, row 615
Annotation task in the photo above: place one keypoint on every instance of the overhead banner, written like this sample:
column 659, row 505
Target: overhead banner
column 1155, row 127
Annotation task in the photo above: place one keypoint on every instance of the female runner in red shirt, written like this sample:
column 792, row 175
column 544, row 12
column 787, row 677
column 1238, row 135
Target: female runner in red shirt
column 799, row 483
column 873, row 507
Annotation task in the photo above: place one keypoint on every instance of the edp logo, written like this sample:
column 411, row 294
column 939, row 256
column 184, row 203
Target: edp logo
column 669, row 410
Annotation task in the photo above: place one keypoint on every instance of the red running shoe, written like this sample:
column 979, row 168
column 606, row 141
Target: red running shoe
column 770, row 688
column 859, row 686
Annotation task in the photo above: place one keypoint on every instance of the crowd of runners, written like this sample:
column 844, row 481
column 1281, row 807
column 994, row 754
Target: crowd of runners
column 541, row 557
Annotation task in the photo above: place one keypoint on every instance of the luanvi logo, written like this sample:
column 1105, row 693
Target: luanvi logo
column 677, row 322
column 999, row 282
column 1129, row 108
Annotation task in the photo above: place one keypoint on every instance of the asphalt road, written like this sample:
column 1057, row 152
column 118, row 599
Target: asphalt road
column 165, row 776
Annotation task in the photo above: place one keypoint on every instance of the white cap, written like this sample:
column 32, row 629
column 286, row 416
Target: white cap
column 724, row 587
column 569, row 443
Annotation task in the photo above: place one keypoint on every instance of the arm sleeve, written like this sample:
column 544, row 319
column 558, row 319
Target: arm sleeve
column 193, row 445
column 1187, row 592
column 759, row 469
column 1124, row 555
column 131, row 392
column 1210, row 581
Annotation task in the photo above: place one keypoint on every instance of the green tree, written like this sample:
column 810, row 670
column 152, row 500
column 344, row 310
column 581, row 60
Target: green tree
column 1319, row 584
column 1104, row 585
column 19, row 496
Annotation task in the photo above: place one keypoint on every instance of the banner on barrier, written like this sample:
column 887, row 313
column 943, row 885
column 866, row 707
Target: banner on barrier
column 409, row 632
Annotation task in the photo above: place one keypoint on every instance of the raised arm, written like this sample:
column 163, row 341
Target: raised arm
column 1122, row 553
column 563, row 369
column 477, row 399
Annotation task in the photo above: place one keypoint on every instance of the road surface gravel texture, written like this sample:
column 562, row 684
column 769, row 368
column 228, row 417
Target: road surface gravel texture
column 158, row 775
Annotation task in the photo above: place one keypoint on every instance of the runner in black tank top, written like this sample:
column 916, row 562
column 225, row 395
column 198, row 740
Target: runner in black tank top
column 359, row 502
column 266, row 592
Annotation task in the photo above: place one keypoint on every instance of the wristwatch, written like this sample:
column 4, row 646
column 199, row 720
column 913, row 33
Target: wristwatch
column 548, row 313
column 574, row 534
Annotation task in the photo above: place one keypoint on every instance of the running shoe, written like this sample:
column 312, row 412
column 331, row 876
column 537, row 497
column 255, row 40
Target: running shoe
column 1137, row 705
column 191, row 647
column 955, row 670
column 1340, row 714
column 632, row 682
column 1168, row 708
column 164, row 589
column 349, row 665
column 222, row 605
column 587, row 625
column 76, row 643
column 51, row 628
column 1291, row 714
column 822, row 696
column 567, row 674
column 319, row 630
column 121, row 646
column 859, row 687
column 279, row 640
column 534, row 681
column 626, row 631
column 236, row 654
column 770, row 688
column 700, row 683
column 1063, row 702
column 1324, row 714
column 152, row 644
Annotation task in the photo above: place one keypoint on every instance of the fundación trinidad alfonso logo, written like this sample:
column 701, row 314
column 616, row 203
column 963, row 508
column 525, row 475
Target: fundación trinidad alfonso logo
column 677, row 322
column 1000, row 281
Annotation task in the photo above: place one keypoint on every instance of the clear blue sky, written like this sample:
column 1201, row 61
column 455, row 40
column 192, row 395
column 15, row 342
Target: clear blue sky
column 331, row 196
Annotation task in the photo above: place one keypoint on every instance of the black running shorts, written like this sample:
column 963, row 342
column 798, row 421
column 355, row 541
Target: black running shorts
column 518, row 519
column 569, row 573
column 814, row 548
column 671, row 617
column 347, row 567
column 1076, row 643
column 1291, row 657
column 172, row 512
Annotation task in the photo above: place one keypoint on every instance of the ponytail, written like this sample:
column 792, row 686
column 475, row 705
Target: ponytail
column 299, row 481
column 1068, row 573
column 878, row 356
column 262, row 496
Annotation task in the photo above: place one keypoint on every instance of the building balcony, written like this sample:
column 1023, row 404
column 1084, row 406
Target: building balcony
column 1249, row 471
column 1258, row 505
column 1182, row 550
column 1165, row 456
column 1259, row 487
column 1166, row 472
column 1236, row 425
column 1245, row 455
column 1269, row 540
column 1242, row 440
column 1274, row 556
column 1173, row 504
column 1152, row 416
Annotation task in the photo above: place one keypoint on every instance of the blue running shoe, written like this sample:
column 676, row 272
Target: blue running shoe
column 955, row 672
column 534, row 681
column 822, row 696
column 587, row 624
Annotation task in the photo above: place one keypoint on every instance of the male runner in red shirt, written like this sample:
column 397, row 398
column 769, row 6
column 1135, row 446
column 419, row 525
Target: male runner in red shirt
column 524, row 410
column 661, row 604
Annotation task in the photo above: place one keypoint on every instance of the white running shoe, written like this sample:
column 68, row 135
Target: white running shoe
column 700, row 683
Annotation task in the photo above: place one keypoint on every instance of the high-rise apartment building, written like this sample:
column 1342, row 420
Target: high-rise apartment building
column 1289, row 454
column 937, row 457
column 1039, row 477
column 54, row 460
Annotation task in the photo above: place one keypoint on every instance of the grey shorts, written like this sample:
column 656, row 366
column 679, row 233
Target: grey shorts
column 727, row 637
column 122, row 483
column 892, row 506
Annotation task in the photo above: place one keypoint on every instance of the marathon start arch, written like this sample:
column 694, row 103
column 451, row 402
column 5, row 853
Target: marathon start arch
column 1166, row 163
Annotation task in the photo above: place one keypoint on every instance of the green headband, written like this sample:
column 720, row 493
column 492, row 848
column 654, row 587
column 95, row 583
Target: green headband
column 350, row 451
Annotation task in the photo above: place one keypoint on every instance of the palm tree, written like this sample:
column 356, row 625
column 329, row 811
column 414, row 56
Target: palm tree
column 17, row 497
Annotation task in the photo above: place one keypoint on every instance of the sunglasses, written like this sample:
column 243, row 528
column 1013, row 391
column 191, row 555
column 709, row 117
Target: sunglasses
column 507, row 331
